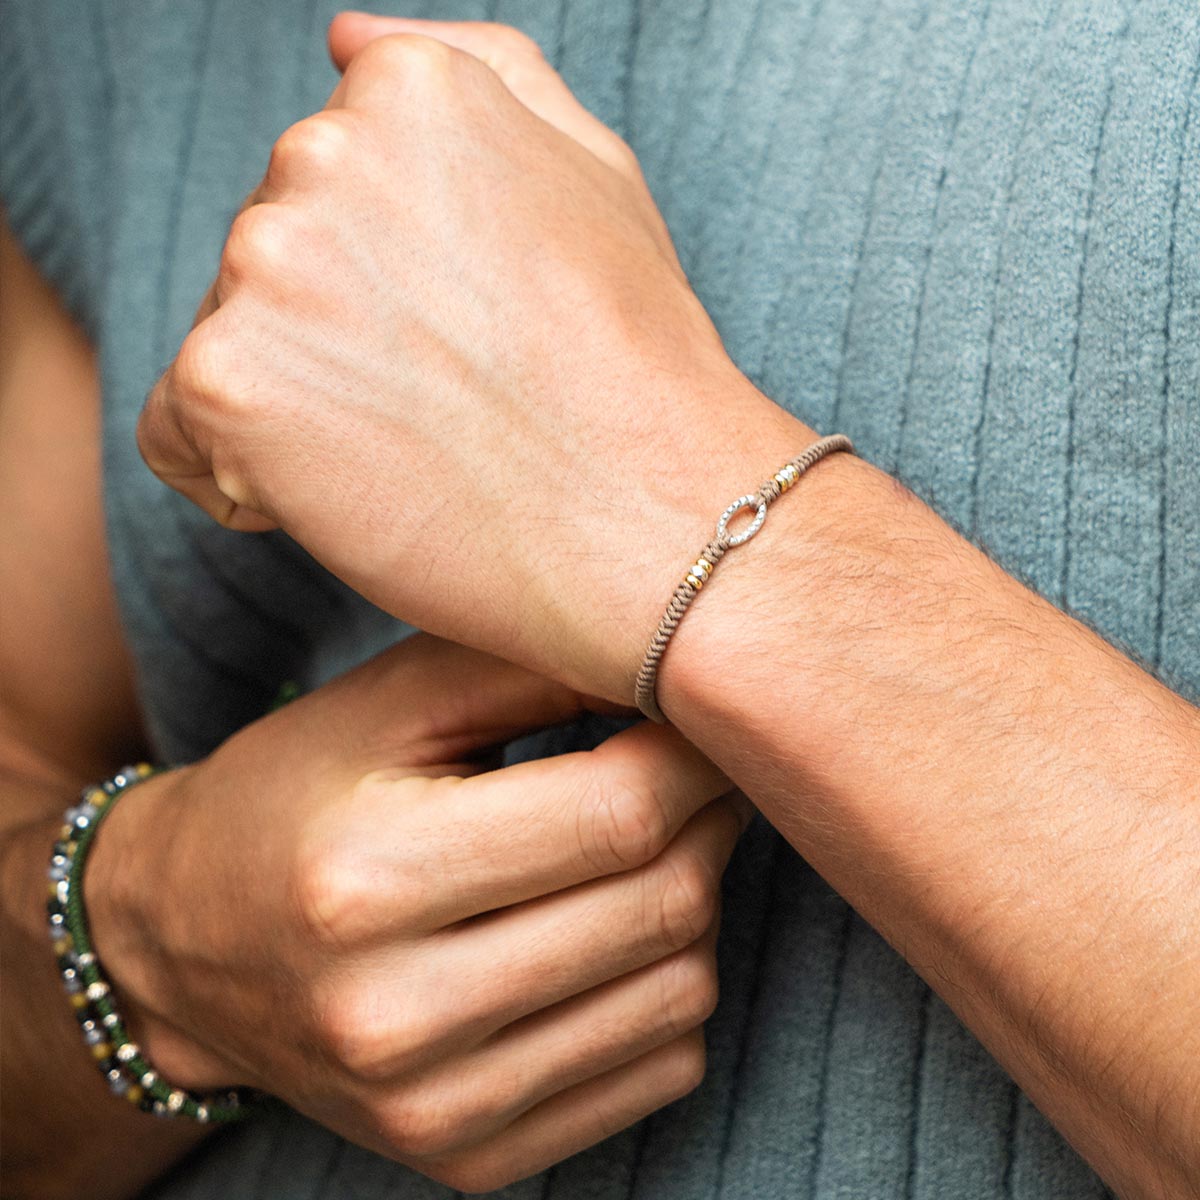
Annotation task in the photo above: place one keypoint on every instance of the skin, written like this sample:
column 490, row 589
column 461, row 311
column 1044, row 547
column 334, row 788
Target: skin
column 1010, row 800
column 476, row 972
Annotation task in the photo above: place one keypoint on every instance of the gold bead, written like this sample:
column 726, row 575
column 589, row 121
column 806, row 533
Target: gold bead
column 694, row 582
column 63, row 944
column 101, row 1050
column 78, row 1000
column 134, row 1093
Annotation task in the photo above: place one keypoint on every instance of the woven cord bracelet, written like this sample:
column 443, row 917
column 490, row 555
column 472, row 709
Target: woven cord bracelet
column 697, row 575
column 120, row 1060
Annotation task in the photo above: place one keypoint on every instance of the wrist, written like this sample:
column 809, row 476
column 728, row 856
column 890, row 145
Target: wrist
column 772, row 616
column 683, row 492
column 128, row 891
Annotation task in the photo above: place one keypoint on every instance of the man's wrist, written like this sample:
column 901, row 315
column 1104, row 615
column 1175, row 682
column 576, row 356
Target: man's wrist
column 737, row 440
column 798, row 586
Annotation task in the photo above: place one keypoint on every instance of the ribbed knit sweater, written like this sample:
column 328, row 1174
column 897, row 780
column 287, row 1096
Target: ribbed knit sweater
column 966, row 232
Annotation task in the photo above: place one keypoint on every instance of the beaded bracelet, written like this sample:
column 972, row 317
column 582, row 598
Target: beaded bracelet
column 120, row 1060
column 697, row 575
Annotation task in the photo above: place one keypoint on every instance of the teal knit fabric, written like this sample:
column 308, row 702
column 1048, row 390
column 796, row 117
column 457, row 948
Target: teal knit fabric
column 966, row 232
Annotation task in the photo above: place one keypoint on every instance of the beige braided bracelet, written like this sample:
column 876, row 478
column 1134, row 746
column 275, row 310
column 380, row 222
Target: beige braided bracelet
column 689, row 587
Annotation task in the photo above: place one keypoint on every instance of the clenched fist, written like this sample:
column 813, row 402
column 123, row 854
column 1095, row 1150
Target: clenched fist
column 475, row 972
column 451, row 351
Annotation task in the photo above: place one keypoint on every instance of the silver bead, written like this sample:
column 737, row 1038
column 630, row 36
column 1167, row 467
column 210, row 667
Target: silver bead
column 94, row 1037
column 62, row 890
column 202, row 1113
column 110, row 1020
column 175, row 1100
column 127, row 1051
column 85, row 960
column 149, row 1079
column 117, row 1081
column 97, row 990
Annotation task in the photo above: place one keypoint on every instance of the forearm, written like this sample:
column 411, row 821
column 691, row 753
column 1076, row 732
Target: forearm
column 1012, row 802
column 65, row 1134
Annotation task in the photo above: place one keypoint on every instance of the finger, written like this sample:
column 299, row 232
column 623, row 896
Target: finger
column 535, row 828
column 511, row 54
column 558, row 946
column 576, row 1119
column 580, row 1039
column 170, row 451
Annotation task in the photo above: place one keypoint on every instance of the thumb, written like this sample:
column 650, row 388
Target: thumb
column 513, row 55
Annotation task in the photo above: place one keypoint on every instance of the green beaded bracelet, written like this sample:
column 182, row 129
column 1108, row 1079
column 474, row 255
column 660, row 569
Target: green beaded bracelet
column 121, row 1061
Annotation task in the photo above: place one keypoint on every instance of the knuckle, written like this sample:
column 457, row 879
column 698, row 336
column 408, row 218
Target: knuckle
column 472, row 1174
column 361, row 1032
column 686, row 1064
column 514, row 41
column 353, row 1031
column 332, row 900
column 262, row 243
column 200, row 373
column 628, row 824
column 419, row 1127
column 419, row 59
column 317, row 146
column 689, row 989
column 687, row 898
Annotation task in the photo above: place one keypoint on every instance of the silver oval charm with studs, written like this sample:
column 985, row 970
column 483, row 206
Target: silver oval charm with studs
column 740, row 539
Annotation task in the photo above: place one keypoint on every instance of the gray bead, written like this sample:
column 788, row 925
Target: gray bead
column 94, row 1037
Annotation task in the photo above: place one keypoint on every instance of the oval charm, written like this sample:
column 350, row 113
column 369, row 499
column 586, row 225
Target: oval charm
column 738, row 539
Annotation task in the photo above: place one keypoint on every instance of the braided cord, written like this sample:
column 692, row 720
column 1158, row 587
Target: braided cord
column 645, row 690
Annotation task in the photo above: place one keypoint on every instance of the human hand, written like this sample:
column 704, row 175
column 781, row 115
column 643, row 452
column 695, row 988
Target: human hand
column 451, row 351
column 475, row 973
